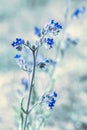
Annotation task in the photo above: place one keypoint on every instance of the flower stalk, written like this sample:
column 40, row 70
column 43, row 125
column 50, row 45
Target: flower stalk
column 30, row 90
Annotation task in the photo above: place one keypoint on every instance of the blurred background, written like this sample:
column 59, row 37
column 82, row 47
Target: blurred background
column 18, row 19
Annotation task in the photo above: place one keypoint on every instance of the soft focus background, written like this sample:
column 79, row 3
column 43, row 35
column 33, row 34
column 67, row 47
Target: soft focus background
column 17, row 19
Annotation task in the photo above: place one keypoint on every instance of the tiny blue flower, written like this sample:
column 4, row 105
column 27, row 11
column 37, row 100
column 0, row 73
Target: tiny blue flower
column 79, row 11
column 37, row 31
column 13, row 44
column 54, row 94
column 46, row 60
column 53, row 100
column 50, row 105
column 51, row 21
column 58, row 26
column 50, row 41
column 18, row 42
column 50, row 99
column 17, row 56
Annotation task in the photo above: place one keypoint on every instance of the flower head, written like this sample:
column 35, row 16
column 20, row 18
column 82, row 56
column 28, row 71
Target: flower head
column 54, row 94
column 52, row 27
column 37, row 31
column 58, row 26
column 17, row 56
column 50, row 99
column 78, row 12
column 50, row 41
column 18, row 43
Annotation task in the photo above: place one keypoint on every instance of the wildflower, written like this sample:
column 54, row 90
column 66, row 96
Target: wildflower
column 50, row 99
column 50, row 41
column 17, row 56
column 54, row 94
column 37, row 31
column 78, row 12
column 51, row 21
column 51, row 103
column 52, row 27
column 58, row 26
column 18, row 44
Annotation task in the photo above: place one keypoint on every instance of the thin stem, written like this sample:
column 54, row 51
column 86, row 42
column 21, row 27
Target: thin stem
column 34, row 106
column 30, row 90
column 40, row 124
column 57, row 54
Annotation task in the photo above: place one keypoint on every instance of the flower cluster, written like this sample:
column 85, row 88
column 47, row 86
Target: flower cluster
column 52, row 27
column 50, row 99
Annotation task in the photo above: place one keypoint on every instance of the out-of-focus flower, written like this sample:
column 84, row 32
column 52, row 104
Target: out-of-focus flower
column 78, row 12
column 71, row 40
column 37, row 31
column 24, row 82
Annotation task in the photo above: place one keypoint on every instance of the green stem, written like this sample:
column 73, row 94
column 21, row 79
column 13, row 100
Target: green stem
column 57, row 54
column 41, row 122
column 30, row 90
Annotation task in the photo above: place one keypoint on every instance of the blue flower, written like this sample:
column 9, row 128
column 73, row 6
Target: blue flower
column 46, row 60
column 51, row 103
column 54, row 94
column 58, row 26
column 37, row 31
column 50, row 41
column 50, row 99
column 51, row 21
column 17, row 56
column 18, row 42
column 52, row 27
column 79, row 11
